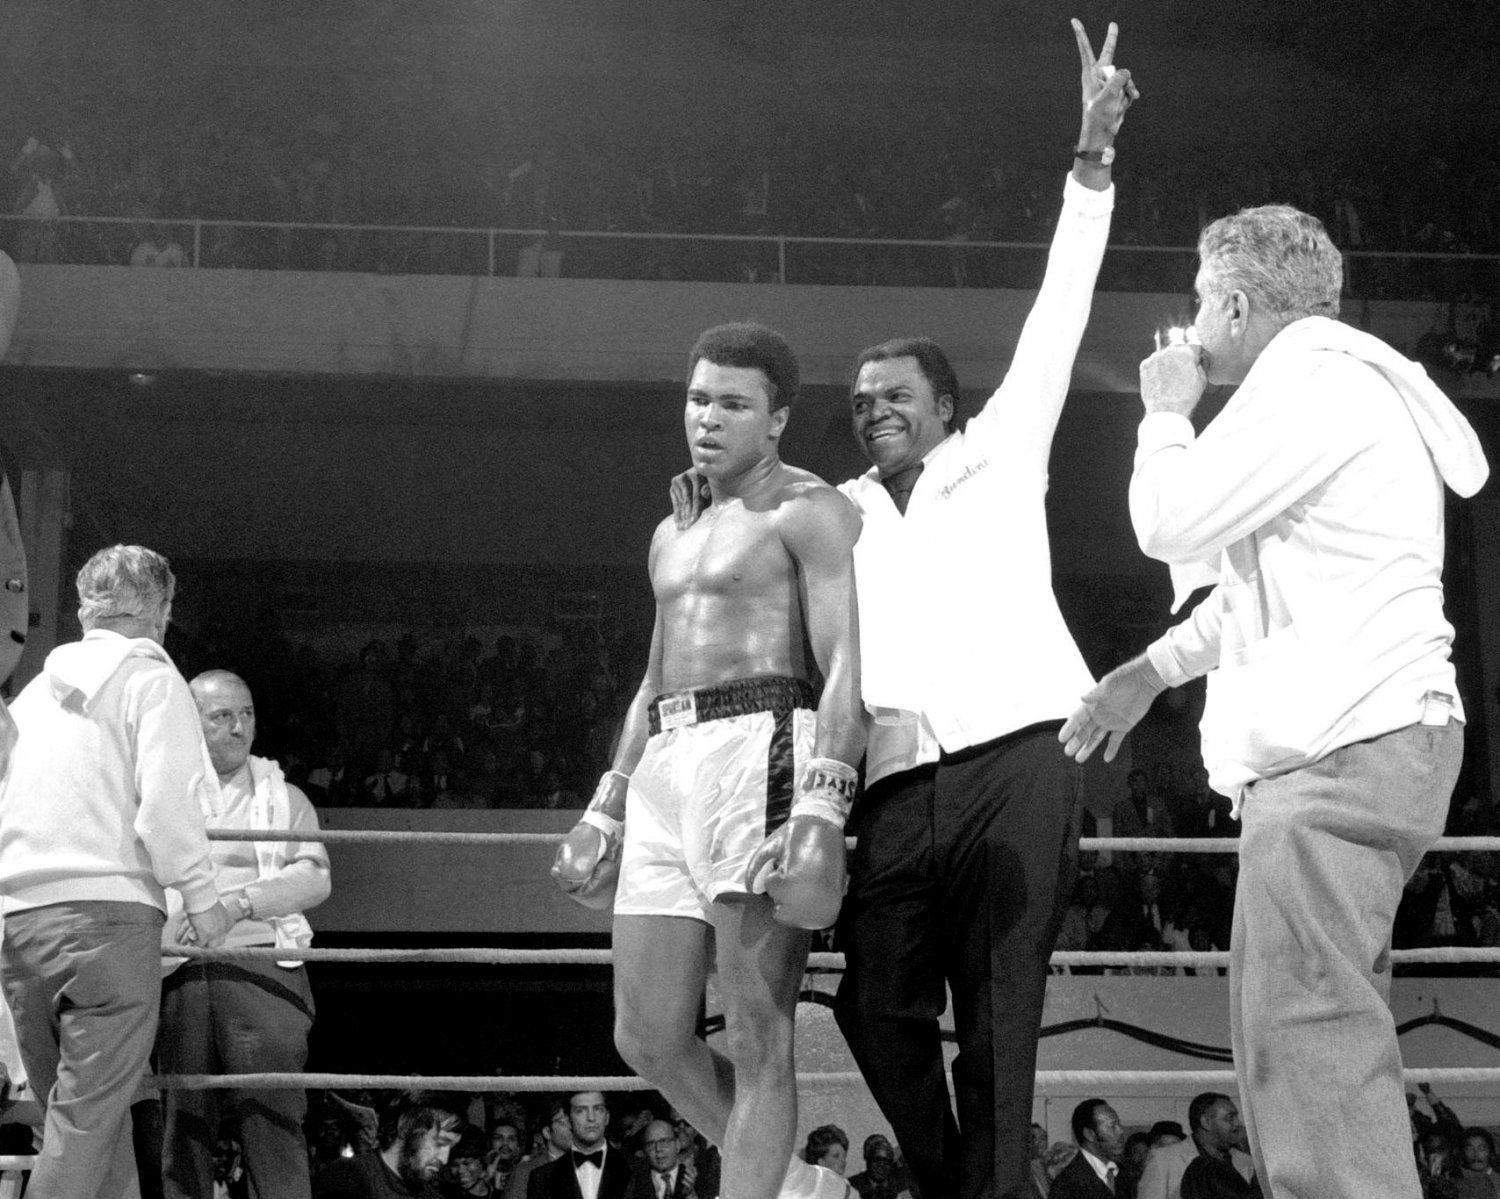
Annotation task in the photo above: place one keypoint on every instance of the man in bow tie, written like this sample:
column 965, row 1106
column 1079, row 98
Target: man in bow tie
column 593, row 1169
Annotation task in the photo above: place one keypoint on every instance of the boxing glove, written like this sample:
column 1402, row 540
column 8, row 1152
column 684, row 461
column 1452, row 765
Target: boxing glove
column 587, row 865
column 801, row 865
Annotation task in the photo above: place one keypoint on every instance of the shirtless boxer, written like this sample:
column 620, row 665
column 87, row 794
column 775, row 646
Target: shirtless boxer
column 738, row 774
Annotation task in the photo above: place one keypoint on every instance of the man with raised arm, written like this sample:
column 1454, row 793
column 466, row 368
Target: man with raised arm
column 1314, row 502
column 966, row 831
column 738, row 771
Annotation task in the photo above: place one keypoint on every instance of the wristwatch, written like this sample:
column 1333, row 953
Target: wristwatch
column 242, row 901
column 1103, row 157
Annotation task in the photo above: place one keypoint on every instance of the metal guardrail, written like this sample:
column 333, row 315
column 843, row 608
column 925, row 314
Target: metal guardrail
column 682, row 257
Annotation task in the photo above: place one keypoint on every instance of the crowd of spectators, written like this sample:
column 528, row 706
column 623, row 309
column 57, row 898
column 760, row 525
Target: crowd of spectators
column 450, row 723
column 500, row 1139
column 503, row 1138
column 1185, row 901
column 1453, row 1161
column 235, row 158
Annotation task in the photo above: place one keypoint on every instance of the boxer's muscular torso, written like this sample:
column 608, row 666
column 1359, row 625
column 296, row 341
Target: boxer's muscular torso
column 728, row 591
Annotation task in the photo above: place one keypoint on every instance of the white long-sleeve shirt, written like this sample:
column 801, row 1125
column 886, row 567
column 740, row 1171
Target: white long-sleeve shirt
column 961, row 640
column 1318, row 492
column 101, row 799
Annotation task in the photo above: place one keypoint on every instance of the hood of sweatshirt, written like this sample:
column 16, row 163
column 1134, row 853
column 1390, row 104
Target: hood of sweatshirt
column 82, row 668
column 1449, row 437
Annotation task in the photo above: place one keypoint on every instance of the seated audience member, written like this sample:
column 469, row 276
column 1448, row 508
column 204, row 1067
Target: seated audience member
column 1476, row 1177
column 1171, row 1152
column 504, row 1152
column 668, row 1173
column 553, row 1137
column 706, row 1158
column 1217, row 1131
column 1143, row 812
column 441, row 786
column 333, row 781
column 880, row 1178
column 389, row 786
column 592, row 1167
column 828, row 1145
column 1437, row 1164
column 1133, row 1164
column 228, row 1173
column 465, row 1173
column 332, row 1137
column 417, row 1134
column 640, row 1111
column 1101, row 1143
column 156, row 248
column 1041, row 1181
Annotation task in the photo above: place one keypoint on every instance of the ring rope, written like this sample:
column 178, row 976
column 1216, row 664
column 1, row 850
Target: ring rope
column 1088, row 1079
column 356, row 836
column 1045, row 1079
column 1448, row 954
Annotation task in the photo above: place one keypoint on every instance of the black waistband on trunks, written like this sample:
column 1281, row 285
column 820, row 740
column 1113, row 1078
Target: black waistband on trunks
column 738, row 697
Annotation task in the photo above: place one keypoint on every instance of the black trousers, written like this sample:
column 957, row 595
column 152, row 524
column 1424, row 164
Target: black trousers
column 960, row 877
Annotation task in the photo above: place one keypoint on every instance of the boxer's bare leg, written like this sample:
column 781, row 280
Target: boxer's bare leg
column 661, row 965
column 760, row 964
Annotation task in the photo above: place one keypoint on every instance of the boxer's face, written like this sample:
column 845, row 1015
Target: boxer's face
column 897, row 418
column 728, row 419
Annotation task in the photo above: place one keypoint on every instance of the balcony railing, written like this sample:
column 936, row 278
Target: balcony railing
column 684, row 257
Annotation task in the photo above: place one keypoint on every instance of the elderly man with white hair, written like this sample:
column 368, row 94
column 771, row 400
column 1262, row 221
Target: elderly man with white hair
column 1314, row 504
column 99, row 814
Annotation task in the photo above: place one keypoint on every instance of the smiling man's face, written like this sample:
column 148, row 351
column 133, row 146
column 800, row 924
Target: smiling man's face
column 896, row 417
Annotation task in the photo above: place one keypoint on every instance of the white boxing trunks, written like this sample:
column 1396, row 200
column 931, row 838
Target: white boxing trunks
column 716, row 779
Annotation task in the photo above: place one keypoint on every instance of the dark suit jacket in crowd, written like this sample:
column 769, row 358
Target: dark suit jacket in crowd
column 556, row 1180
column 1078, row 1181
column 643, row 1185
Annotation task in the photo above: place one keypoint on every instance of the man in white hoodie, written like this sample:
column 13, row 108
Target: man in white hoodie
column 98, row 815
column 1314, row 503
column 245, row 1016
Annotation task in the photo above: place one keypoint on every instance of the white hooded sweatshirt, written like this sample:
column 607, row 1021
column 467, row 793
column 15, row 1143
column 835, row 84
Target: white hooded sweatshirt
column 101, row 800
column 1315, row 501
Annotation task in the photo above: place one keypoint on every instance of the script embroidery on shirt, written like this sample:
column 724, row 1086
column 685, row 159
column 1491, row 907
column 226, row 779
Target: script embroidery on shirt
column 969, row 472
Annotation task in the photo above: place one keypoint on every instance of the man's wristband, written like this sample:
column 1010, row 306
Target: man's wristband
column 1103, row 157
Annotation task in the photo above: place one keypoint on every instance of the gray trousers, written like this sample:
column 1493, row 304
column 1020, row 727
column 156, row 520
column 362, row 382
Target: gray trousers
column 83, row 981
column 234, row 1018
column 1324, row 854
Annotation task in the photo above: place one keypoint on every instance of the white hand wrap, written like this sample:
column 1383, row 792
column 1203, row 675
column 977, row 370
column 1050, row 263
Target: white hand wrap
column 606, row 811
column 826, row 791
